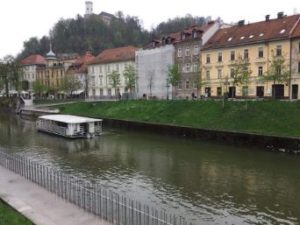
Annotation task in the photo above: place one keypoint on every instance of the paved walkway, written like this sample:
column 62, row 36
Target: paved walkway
column 39, row 205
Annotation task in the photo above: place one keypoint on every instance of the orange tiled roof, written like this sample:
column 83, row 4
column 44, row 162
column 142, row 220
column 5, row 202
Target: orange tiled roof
column 80, row 65
column 259, row 32
column 175, row 38
column 115, row 55
column 34, row 60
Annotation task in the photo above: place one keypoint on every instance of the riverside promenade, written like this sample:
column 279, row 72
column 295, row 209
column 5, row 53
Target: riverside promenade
column 39, row 205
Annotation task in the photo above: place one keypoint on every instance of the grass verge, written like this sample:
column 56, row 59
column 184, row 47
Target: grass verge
column 262, row 117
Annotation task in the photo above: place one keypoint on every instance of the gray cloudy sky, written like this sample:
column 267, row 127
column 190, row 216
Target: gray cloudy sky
column 22, row 19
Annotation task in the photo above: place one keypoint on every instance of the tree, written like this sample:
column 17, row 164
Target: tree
column 278, row 73
column 39, row 87
column 150, row 81
column 174, row 76
column 130, row 77
column 115, row 80
column 242, row 73
column 70, row 83
column 4, row 77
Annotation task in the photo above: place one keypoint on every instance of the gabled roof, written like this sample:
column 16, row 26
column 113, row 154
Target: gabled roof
column 107, row 14
column 177, row 36
column 34, row 60
column 115, row 55
column 80, row 65
column 259, row 32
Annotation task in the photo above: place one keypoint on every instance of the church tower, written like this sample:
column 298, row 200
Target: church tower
column 88, row 8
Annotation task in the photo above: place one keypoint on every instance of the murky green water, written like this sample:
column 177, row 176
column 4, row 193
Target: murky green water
column 209, row 183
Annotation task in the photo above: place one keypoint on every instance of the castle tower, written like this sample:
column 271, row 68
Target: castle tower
column 88, row 8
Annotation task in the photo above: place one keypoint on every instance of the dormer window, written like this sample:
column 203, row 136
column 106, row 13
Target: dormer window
column 261, row 34
column 230, row 39
column 183, row 36
column 251, row 36
column 195, row 34
column 282, row 31
column 242, row 38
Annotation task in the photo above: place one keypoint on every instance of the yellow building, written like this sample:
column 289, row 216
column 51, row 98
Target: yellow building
column 257, row 44
column 53, row 73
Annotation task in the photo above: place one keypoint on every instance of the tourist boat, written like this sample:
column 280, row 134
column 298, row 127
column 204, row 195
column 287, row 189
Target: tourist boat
column 70, row 126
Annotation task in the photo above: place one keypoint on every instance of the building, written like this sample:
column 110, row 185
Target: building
column 100, row 70
column 106, row 17
column 187, row 57
column 88, row 8
column 52, row 74
column 30, row 66
column 152, row 68
column 78, row 70
column 258, row 44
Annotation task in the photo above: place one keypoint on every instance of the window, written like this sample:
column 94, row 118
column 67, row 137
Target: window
column 187, row 84
column 179, row 52
column 187, row 52
column 196, row 67
column 232, row 55
column 299, row 47
column 260, row 52
column 207, row 58
column 93, row 81
column 246, row 54
column 108, row 69
column 220, row 57
column 278, row 70
column 232, row 73
column 298, row 67
column 260, row 71
column 101, row 80
column 219, row 91
column 219, row 74
column 208, row 75
column 278, row 50
column 117, row 67
column 187, row 67
column 196, row 50
column 245, row 91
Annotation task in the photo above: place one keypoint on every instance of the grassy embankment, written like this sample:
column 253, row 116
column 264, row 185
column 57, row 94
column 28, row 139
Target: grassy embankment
column 9, row 216
column 268, row 117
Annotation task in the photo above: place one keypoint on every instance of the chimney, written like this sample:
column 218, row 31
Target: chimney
column 267, row 18
column 241, row 23
column 280, row 15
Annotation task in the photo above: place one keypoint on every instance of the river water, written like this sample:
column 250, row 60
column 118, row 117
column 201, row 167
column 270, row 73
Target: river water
column 206, row 182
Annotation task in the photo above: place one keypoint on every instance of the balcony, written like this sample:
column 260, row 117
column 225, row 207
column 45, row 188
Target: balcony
column 260, row 60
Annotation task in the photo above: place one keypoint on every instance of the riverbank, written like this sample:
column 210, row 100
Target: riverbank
column 271, row 118
column 39, row 205
column 9, row 216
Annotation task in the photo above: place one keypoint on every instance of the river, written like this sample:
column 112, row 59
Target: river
column 208, row 183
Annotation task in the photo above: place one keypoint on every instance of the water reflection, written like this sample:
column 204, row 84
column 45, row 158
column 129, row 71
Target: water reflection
column 210, row 183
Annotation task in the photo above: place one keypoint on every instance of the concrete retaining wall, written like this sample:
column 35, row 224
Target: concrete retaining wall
column 271, row 143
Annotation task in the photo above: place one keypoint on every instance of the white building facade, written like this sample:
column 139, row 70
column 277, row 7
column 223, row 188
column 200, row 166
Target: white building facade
column 152, row 68
column 100, row 82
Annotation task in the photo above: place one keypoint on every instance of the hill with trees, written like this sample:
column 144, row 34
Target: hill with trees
column 80, row 34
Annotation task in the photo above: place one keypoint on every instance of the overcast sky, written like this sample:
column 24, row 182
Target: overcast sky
column 22, row 19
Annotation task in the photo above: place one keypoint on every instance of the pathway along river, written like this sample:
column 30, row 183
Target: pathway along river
column 207, row 182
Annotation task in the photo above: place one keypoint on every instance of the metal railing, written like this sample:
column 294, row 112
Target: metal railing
column 52, row 128
column 91, row 197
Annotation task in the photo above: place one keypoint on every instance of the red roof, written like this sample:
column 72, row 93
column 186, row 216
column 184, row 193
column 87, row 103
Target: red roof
column 34, row 60
column 115, row 55
column 259, row 32
column 175, row 38
column 80, row 64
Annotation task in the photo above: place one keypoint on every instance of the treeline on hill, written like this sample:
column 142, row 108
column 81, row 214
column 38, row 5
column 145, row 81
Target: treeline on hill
column 91, row 33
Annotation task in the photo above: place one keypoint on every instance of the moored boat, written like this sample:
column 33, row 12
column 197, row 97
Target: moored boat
column 70, row 126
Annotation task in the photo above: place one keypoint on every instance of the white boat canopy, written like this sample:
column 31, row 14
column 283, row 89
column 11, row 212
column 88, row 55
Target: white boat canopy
column 69, row 119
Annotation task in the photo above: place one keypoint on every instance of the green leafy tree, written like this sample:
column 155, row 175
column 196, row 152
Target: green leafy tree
column 130, row 78
column 242, row 74
column 115, row 80
column 174, row 76
column 69, row 84
column 39, row 88
column 278, row 73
